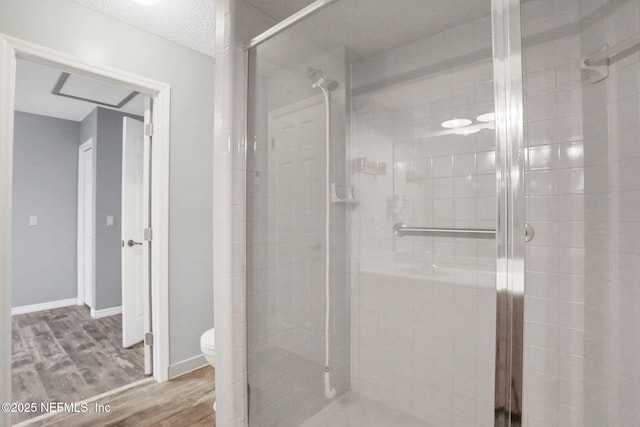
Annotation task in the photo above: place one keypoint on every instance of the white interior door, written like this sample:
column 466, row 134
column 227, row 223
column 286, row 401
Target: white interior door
column 133, row 224
column 85, row 223
column 297, row 183
column 297, row 188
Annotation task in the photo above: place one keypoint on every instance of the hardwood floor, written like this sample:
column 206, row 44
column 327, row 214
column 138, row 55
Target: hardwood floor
column 181, row 402
column 63, row 355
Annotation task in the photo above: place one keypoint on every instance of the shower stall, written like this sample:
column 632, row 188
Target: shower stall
column 443, row 215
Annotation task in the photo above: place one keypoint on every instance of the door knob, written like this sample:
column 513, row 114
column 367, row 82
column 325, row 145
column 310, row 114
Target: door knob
column 132, row 243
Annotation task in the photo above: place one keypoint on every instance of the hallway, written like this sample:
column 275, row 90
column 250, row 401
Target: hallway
column 63, row 355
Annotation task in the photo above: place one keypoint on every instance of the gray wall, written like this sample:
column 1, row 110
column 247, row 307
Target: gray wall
column 45, row 183
column 108, row 202
column 89, row 127
column 98, row 39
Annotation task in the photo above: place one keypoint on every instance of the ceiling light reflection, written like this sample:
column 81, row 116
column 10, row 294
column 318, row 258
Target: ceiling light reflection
column 456, row 123
column 467, row 131
column 147, row 2
column 486, row 118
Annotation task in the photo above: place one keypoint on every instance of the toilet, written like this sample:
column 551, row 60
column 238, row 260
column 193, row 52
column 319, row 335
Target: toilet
column 208, row 347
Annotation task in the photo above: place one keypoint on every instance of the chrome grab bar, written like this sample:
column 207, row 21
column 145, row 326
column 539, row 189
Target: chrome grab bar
column 401, row 230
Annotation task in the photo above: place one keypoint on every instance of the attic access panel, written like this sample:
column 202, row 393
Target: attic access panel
column 91, row 90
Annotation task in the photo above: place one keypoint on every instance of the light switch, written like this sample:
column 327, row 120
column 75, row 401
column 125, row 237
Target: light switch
column 110, row 221
column 33, row 220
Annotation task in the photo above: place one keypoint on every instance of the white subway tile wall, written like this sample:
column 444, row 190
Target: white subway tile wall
column 236, row 22
column 581, row 336
column 423, row 312
column 554, row 303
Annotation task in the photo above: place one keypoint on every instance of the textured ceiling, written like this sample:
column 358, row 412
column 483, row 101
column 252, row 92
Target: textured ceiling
column 190, row 23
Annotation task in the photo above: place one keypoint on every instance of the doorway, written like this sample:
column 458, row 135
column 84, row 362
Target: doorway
column 100, row 335
column 85, row 223
column 155, row 215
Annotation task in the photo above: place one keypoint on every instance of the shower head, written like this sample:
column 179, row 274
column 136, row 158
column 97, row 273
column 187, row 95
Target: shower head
column 321, row 80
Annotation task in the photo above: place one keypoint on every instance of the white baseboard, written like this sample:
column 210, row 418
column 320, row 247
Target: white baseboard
column 43, row 306
column 106, row 312
column 187, row 365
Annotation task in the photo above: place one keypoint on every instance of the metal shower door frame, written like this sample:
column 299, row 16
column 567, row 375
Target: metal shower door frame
column 510, row 226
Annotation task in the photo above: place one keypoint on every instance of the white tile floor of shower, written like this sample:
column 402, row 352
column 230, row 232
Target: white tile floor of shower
column 356, row 410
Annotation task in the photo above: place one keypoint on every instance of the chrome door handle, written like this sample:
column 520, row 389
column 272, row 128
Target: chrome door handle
column 529, row 233
column 132, row 243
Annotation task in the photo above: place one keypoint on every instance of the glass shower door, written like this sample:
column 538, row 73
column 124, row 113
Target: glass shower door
column 371, row 217
column 424, row 249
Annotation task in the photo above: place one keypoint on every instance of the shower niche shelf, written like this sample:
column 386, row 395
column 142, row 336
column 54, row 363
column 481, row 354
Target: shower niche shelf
column 342, row 194
column 363, row 166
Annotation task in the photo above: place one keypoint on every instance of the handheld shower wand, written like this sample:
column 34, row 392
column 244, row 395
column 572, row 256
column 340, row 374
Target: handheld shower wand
column 326, row 85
